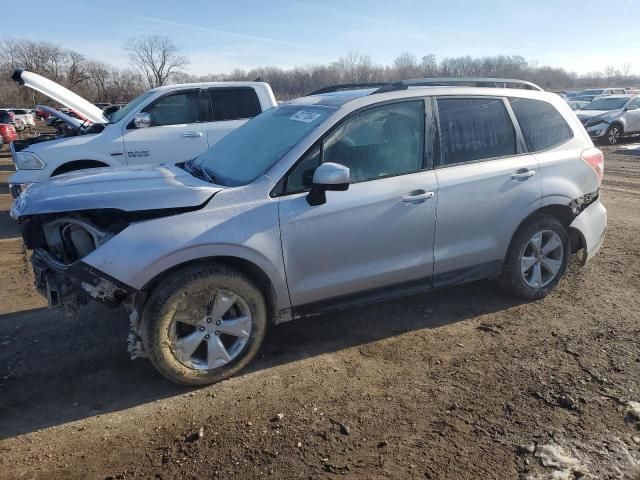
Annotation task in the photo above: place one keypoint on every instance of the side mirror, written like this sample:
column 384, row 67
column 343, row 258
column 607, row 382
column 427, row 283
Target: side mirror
column 142, row 120
column 631, row 108
column 328, row 176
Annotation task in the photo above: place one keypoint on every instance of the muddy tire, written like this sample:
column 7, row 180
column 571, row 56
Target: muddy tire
column 537, row 258
column 203, row 324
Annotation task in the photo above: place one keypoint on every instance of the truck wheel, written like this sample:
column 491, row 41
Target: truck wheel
column 203, row 324
column 537, row 258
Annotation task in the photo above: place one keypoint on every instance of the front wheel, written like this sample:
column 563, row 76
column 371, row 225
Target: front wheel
column 203, row 324
column 537, row 258
column 613, row 134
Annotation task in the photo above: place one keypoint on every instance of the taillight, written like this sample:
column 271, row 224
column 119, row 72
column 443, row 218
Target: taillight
column 595, row 158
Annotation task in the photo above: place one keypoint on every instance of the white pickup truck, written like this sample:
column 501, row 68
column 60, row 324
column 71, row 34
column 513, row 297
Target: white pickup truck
column 167, row 124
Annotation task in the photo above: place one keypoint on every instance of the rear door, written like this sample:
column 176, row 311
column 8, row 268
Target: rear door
column 379, row 233
column 177, row 132
column 487, row 184
column 229, row 107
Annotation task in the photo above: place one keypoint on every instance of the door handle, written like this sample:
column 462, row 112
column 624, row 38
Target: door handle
column 418, row 197
column 192, row 134
column 523, row 175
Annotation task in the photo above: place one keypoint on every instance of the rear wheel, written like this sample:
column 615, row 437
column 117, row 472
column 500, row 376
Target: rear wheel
column 537, row 258
column 204, row 324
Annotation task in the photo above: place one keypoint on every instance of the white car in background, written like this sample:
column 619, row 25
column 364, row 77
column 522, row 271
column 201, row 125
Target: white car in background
column 173, row 124
column 24, row 115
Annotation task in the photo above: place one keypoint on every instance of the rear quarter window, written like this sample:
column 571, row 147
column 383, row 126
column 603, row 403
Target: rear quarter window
column 234, row 103
column 542, row 125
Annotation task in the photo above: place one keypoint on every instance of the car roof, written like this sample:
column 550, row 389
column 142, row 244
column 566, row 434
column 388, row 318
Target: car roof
column 206, row 84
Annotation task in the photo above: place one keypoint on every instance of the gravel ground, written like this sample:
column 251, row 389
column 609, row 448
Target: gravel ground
column 463, row 383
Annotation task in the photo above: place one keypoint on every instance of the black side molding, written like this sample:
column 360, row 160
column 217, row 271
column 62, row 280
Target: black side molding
column 17, row 76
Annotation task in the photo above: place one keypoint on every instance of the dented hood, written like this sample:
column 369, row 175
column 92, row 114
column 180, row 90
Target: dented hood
column 130, row 189
column 60, row 94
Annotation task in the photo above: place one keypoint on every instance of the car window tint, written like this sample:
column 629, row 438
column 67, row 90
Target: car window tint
column 379, row 142
column 635, row 102
column 542, row 125
column 175, row 109
column 234, row 103
column 474, row 129
column 301, row 177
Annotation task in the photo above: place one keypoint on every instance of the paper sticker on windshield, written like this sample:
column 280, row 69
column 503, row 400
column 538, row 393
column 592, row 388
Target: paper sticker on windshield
column 306, row 117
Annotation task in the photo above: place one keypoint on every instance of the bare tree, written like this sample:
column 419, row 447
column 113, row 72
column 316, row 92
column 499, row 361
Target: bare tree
column 610, row 72
column 626, row 69
column 156, row 57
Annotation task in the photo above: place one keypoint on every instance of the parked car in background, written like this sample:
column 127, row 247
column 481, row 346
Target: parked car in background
column 25, row 116
column 40, row 114
column 7, row 129
column 111, row 109
column 612, row 117
column 327, row 201
column 602, row 91
column 167, row 124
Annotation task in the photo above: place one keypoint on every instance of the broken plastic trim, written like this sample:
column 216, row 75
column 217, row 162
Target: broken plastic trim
column 577, row 205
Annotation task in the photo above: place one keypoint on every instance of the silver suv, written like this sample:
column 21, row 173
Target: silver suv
column 328, row 201
column 609, row 118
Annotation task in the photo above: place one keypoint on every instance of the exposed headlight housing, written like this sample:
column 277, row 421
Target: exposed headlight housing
column 29, row 161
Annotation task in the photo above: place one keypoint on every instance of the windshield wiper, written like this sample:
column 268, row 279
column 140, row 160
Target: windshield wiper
column 198, row 171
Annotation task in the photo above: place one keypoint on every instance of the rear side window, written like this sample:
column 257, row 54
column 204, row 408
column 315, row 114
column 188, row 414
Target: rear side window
column 541, row 124
column 473, row 129
column 234, row 103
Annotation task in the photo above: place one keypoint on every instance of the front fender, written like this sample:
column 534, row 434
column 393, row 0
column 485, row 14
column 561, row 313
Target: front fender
column 146, row 249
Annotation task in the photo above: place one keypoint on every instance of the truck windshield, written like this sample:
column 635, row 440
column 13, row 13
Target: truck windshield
column 129, row 107
column 252, row 149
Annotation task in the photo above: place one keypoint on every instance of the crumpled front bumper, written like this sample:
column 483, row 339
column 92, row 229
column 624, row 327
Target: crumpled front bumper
column 598, row 131
column 66, row 285
column 592, row 226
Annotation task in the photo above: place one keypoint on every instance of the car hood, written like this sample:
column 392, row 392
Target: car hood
column 593, row 113
column 129, row 189
column 60, row 94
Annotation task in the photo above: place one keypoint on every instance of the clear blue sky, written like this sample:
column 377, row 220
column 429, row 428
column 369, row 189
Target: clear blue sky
column 218, row 36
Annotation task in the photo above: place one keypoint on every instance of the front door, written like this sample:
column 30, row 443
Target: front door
column 379, row 233
column 177, row 132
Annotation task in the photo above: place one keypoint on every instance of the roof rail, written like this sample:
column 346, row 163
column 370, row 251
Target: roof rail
column 346, row 86
column 461, row 81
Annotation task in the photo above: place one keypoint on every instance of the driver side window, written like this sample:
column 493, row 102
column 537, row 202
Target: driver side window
column 175, row 109
column 380, row 142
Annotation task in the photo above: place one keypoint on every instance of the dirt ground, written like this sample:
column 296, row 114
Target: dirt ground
column 464, row 383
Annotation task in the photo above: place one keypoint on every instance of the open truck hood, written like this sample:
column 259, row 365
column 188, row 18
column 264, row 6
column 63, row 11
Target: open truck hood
column 60, row 94
column 129, row 189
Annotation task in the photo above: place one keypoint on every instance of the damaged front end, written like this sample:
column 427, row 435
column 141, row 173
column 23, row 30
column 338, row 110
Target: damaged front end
column 59, row 242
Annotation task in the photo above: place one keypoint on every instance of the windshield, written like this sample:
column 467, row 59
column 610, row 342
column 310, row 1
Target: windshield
column 129, row 107
column 249, row 151
column 607, row 104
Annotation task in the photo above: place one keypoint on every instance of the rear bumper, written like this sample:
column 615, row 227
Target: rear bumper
column 592, row 226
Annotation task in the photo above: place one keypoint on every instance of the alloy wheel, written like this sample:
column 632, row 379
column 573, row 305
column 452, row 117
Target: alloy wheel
column 210, row 332
column 613, row 136
column 541, row 258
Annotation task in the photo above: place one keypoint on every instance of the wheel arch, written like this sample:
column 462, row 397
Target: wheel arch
column 564, row 215
column 245, row 266
column 75, row 165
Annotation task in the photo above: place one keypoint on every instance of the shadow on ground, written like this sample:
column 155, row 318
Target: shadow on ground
column 55, row 371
